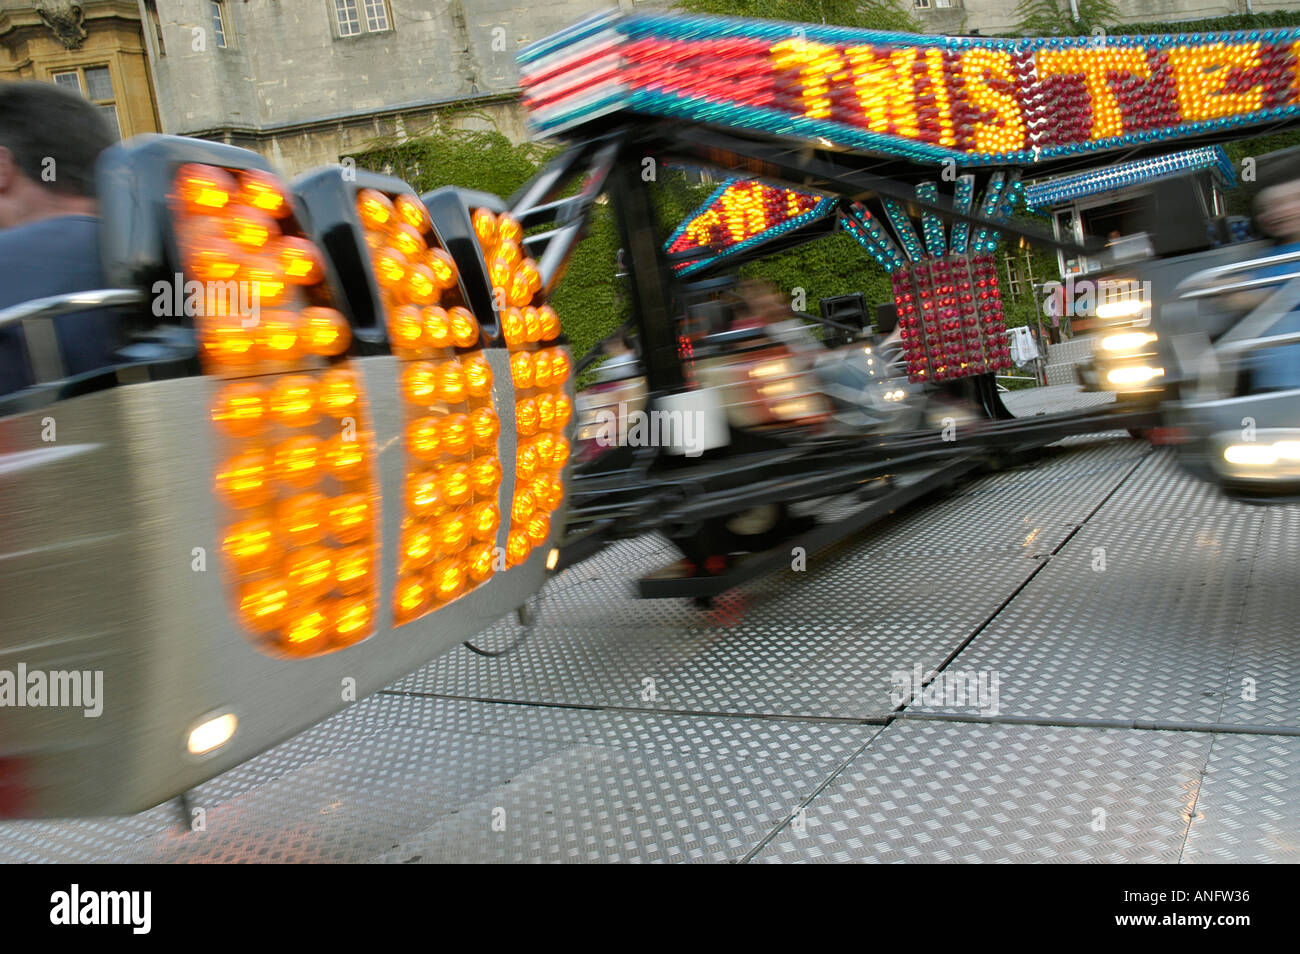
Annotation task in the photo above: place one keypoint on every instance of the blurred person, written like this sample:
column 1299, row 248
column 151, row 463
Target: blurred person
column 1278, row 214
column 50, row 139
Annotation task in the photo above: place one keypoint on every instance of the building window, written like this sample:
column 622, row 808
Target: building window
column 96, row 84
column 354, row 19
column 219, row 23
column 376, row 15
column 921, row 4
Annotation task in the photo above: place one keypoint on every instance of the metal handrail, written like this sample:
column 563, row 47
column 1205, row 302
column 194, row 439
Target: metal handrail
column 1240, row 286
column 1210, row 274
column 56, row 305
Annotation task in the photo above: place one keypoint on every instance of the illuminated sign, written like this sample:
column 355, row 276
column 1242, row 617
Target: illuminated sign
column 740, row 214
column 978, row 100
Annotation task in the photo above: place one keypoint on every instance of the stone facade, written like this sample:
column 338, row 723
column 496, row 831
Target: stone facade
column 290, row 83
column 95, row 46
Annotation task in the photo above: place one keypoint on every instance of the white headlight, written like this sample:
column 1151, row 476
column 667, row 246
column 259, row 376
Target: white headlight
column 1138, row 374
column 1127, row 341
column 1257, row 455
column 1120, row 309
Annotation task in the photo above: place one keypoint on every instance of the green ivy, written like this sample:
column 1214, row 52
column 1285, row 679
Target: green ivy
column 868, row 15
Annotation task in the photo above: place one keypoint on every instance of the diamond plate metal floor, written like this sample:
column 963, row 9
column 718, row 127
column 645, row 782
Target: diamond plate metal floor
column 1099, row 584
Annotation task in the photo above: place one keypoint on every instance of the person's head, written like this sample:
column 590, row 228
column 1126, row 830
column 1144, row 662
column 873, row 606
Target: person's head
column 49, row 141
column 1277, row 203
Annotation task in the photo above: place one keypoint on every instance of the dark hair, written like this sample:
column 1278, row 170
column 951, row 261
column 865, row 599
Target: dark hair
column 1278, row 168
column 40, row 121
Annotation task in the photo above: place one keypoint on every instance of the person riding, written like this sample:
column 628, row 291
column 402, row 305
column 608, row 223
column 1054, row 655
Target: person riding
column 50, row 139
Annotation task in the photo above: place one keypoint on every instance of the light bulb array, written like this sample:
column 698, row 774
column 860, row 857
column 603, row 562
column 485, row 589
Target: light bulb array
column 543, row 407
column 981, row 100
column 739, row 215
column 1125, row 174
column 449, row 421
column 295, row 482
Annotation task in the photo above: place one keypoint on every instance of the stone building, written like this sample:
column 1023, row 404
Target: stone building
column 307, row 81
column 95, row 47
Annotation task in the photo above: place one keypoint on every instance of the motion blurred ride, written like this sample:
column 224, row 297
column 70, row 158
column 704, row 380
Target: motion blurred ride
column 323, row 457
column 1239, row 353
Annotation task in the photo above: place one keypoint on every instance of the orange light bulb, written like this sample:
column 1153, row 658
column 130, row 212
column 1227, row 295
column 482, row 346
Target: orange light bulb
column 406, row 328
column 532, row 324
column 250, row 545
column 485, row 227
column 453, row 532
column 352, row 619
column 276, row 334
column 443, row 267
column 240, row 409
column 521, row 369
column 347, row 458
column 205, row 188
column 324, row 331
column 422, row 494
column 338, row 392
column 310, row 572
column 422, row 438
column 352, row 569
column 526, row 417
column 437, row 327
column 484, row 425
column 263, row 192
column 449, row 578
column 478, row 376
column 245, row 479
column 420, row 382
column 513, row 327
column 455, row 434
column 484, row 521
column 301, row 519
column 451, row 382
column 297, row 461
column 485, row 475
column 464, row 328
column 526, row 462
column 455, row 485
column 294, row 401
column 412, row 211
column 479, row 561
column 517, row 547
column 263, row 605
column 348, row 517
column 411, row 598
column 375, row 209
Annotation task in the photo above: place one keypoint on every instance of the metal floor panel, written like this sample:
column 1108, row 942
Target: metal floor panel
column 818, row 643
column 1247, row 810
column 1150, row 636
column 630, row 730
column 1263, row 686
column 953, row 792
column 1160, row 490
column 561, row 784
column 1055, row 399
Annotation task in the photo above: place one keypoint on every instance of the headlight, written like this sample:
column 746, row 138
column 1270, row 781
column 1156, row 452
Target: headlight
column 1126, row 341
column 1133, row 375
column 1128, row 308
